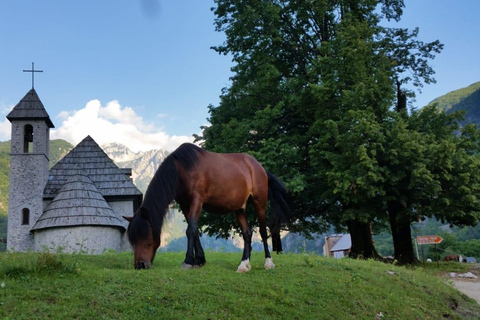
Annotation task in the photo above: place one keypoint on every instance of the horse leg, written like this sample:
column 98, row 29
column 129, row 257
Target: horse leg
column 189, row 261
column 262, row 221
column 247, row 240
column 192, row 233
column 199, row 254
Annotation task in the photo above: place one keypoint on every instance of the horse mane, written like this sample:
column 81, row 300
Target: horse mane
column 161, row 190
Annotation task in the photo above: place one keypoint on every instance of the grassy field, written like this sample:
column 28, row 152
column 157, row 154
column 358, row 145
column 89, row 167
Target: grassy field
column 48, row 286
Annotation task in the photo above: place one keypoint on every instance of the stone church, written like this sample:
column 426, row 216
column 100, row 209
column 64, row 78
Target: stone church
column 77, row 205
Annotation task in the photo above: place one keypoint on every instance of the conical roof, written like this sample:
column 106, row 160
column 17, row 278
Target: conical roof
column 78, row 203
column 88, row 159
column 30, row 108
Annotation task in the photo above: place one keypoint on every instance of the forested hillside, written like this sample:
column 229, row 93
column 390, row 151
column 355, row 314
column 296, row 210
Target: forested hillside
column 457, row 240
column 467, row 99
column 4, row 179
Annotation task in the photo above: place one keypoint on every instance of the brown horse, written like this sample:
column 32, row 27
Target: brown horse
column 219, row 183
column 452, row 257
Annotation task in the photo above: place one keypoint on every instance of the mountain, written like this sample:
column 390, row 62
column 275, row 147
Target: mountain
column 119, row 153
column 143, row 164
column 467, row 99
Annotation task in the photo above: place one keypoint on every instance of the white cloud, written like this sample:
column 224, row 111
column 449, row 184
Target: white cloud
column 5, row 125
column 5, row 130
column 63, row 115
column 114, row 123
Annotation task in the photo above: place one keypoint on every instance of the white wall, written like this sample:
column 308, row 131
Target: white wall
column 81, row 239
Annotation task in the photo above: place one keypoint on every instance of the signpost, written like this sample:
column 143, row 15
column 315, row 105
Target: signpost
column 429, row 240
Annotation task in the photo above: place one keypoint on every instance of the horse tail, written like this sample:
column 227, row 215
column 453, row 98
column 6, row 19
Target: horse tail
column 281, row 209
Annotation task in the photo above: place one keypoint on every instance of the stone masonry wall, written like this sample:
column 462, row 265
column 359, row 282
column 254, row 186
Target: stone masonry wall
column 81, row 239
column 123, row 208
column 28, row 176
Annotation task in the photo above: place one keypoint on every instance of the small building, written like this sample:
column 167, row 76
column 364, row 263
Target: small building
column 77, row 205
column 337, row 245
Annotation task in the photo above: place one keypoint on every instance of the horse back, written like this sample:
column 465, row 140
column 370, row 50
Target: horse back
column 223, row 182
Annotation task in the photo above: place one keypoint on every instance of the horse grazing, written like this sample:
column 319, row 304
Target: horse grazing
column 452, row 257
column 220, row 183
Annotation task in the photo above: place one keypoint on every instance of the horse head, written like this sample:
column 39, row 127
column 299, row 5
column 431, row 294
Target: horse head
column 141, row 238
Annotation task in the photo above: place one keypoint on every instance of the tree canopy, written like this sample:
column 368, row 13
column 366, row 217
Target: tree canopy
column 317, row 97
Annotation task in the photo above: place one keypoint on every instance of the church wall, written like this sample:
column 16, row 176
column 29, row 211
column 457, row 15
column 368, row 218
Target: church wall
column 27, row 181
column 28, row 176
column 46, row 203
column 123, row 208
column 81, row 239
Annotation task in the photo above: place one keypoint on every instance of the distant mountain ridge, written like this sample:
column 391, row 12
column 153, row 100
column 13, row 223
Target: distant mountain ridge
column 467, row 99
column 144, row 164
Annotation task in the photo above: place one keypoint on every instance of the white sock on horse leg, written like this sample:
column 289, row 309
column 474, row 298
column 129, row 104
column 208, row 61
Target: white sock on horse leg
column 269, row 264
column 244, row 266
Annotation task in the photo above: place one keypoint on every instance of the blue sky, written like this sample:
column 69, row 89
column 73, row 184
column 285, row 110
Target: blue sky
column 141, row 72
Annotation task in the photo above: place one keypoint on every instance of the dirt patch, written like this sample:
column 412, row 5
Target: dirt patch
column 469, row 286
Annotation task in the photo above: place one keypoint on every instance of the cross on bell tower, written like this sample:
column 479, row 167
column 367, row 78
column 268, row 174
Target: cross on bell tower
column 33, row 73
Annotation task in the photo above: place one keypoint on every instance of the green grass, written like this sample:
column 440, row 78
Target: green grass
column 48, row 286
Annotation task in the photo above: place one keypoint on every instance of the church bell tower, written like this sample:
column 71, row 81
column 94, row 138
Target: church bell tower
column 29, row 162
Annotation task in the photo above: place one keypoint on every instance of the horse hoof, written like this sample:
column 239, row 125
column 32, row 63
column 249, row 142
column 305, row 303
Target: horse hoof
column 199, row 263
column 187, row 266
column 244, row 267
column 269, row 264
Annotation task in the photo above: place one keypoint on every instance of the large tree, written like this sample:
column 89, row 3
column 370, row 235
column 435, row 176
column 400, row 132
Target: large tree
column 432, row 165
column 311, row 97
column 287, row 54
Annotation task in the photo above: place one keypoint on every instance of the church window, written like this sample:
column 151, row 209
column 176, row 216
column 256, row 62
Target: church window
column 25, row 216
column 28, row 138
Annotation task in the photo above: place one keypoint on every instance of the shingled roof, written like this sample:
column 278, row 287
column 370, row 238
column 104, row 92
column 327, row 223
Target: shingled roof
column 88, row 159
column 78, row 203
column 30, row 108
column 344, row 243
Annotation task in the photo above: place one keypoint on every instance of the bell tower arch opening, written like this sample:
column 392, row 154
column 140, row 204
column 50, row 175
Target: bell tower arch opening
column 28, row 138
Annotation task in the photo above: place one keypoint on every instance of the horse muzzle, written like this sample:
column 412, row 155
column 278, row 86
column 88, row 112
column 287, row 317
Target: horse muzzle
column 143, row 265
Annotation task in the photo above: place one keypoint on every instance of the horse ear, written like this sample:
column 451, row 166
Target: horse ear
column 129, row 219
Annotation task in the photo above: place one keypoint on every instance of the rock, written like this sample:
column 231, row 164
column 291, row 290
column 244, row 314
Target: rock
column 468, row 275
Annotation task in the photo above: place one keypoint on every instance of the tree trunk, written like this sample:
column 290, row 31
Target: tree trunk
column 401, row 99
column 362, row 241
column 402, row 234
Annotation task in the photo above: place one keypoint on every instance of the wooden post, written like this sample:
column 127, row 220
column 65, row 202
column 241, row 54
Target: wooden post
column 423, row 256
